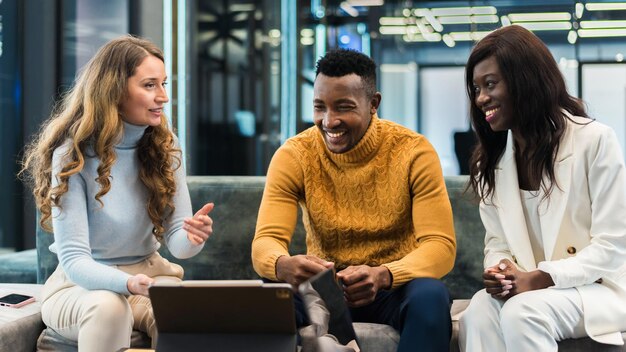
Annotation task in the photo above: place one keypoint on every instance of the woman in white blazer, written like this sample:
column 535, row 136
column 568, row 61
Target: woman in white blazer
column 552, row 187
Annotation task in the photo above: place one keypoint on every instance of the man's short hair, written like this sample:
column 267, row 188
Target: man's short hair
column 341, row 62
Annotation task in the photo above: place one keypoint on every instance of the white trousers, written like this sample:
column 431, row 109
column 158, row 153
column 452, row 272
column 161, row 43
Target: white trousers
column 530, row 321
column 102, row 320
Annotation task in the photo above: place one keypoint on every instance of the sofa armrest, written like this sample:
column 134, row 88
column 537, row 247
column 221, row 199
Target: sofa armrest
column 21, row 335
column 20, row 327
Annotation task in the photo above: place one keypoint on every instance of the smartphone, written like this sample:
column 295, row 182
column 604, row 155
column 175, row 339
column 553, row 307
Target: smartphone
column 15, row 300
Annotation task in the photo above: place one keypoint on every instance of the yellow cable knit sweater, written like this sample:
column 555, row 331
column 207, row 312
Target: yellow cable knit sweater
column 384, row 202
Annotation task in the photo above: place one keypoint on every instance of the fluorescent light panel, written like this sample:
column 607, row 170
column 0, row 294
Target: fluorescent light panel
column 601, row 33
column 469, row 36
column 602, row 24
column 349, row 9
column 605, row 6
column 398, row 30
column 393, row 21
column 366, row 2
column 546, row 26
column 540, row 16
column 468, row 19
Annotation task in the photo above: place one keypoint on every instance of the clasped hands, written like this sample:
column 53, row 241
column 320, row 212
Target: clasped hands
column 504, row 280
column 360, row 283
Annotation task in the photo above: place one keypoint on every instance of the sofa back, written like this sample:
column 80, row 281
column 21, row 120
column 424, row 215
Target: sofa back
column 237, row 198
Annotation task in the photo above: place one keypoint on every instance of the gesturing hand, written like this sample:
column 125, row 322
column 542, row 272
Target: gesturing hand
column 299, row 268
column 361, row 283
column 139, row 284
column 200, row 227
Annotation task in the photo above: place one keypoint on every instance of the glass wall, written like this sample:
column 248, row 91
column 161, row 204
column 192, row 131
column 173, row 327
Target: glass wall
column 234, row 76
column 421, row 48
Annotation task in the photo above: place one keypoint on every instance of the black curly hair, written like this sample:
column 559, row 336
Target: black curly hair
column 341, row 62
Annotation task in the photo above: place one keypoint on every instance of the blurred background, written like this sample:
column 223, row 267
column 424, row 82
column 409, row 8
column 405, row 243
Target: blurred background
column 242, row 71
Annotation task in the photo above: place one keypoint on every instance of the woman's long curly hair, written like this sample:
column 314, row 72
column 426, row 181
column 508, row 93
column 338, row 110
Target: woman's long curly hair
column 538, row 94
column 88, row 116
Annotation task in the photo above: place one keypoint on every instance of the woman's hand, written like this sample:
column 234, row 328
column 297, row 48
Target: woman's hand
column 497, row 284
column 506, row 280
column 200, row 227
column 139, row 284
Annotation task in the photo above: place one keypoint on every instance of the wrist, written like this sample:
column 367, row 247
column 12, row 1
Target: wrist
column 542, row 280
column 384, row 277
column 278, row 267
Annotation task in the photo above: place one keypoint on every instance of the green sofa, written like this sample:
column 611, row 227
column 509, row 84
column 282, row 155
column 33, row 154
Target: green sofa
column 227, row 256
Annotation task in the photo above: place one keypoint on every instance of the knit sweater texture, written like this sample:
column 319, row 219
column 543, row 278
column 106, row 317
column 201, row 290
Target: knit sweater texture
column 384, row 202
column 91, row 238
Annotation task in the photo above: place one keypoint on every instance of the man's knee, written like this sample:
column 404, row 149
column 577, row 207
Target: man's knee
column 425, row 291
column 427, row 300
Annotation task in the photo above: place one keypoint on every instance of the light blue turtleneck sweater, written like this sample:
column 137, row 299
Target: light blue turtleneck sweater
column 91, row 239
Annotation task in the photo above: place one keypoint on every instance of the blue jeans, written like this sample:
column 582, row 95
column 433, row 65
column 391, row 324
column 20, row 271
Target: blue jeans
column 419, row 310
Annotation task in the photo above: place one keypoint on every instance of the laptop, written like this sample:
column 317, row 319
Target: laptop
column 224, row 315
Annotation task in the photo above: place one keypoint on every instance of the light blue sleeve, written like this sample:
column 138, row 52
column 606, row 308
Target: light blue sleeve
column 175, row 236
column 71, row 235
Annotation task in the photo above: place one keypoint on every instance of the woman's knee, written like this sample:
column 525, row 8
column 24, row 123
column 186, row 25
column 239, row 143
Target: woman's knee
column 520, row 314
column 482, row 312
column 108, row 308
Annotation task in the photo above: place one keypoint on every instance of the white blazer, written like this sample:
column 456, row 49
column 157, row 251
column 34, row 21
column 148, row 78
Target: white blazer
column 583, row 224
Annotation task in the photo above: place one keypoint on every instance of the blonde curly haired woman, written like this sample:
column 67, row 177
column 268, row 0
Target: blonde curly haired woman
column 107, row 175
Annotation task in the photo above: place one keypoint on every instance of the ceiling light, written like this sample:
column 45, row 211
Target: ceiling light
column 606, row 6
column 505, row 21
column 545, row 26
column 349, row 9
column 602, row 24
column 451, row 11
column 398, row 30
column 433, row 22
column 485, row 19
column 366, row 2
column 454, row 19
column 448, row 40
column 461, row 36
column 484, row 10
column 469, row 36
column 540, row 16
column 413, row 38
column 580, row 8
column 307, row 41
column 572, row 37
column 598, row 33
column 393, row 21
column 307, row 32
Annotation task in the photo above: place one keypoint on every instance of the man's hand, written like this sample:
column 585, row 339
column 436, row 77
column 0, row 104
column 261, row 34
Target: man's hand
column 200, row 227
column 139, row 284
column 299, row 268
column 361, row 283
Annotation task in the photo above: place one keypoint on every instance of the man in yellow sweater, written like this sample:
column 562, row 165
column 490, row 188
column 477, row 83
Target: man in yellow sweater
column 374, row 204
